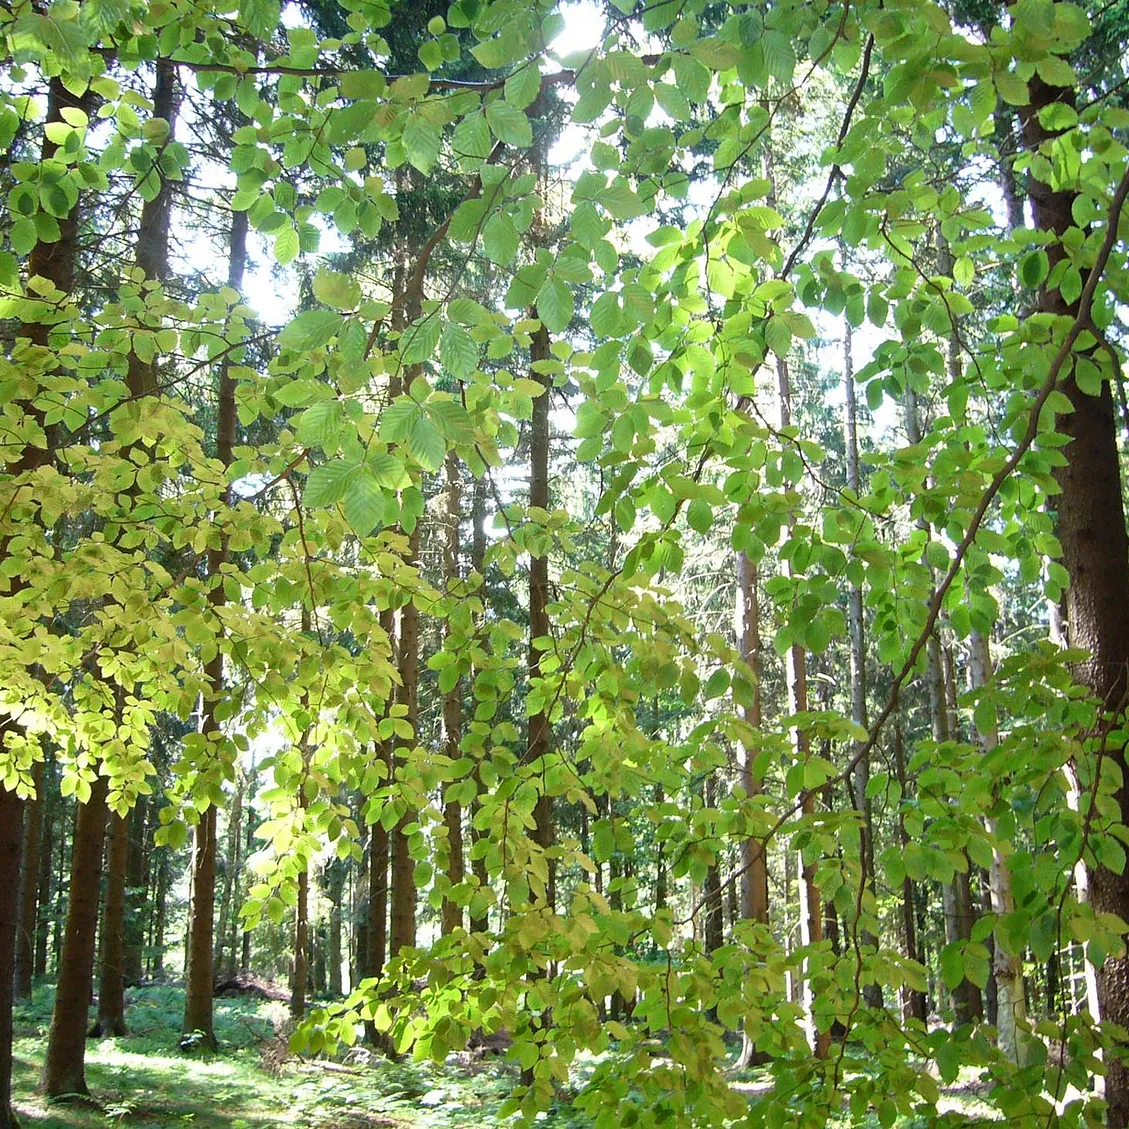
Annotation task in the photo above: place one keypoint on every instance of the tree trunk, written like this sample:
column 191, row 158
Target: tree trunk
column 452, row 914
column 137, row 881
column 64, row 1067
column 537, row 749
column 811, row 914
column 335, row 890
column 229, row 908
column 111, row 984
column 10, row 825
column 914, row 1003
column 46, row 873
column 1095, row 553
column 377, row 948
column 301, row 946
column 29, row 887
column 754, row 861
column 481, row 923
column 860, row 777
column 711, row 892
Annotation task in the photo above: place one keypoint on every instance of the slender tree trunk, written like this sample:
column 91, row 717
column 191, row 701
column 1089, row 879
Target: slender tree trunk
column 914, row 1005
column 378, row 890
column 754, row 861
column 29, row 887
column 137, row 881
column 46, row 873
column 301, row 946
column 335, row 889
column 111, row 985
column 1095, row 552
column 452, row 914
column 711, row 893
column 64, row 1067
column 860, row 778
column 200, row 987
column 811, row 914
column 481, row 923
column 537, row 749
column 228, row 899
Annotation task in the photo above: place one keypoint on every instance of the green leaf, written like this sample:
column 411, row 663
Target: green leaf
column 260, row 17
column 328, row 483
column 699, row 514
column 458, row 352
column 421, row 140
column 388, row 471
column 363, row 504
column 398, row 419
column 555, row 305
column 419, row 340
column 286, row 244
column 523, row 86
column 499, row 239
column 311, row 329
column 426, row 444
column 509, row 124
column 320, row 423
column 340, row 291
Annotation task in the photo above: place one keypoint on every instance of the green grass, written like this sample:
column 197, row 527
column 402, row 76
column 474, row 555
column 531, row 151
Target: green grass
column 143, row 1080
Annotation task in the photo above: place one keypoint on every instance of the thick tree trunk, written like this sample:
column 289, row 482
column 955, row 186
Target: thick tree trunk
column 452, row 914
column 1095, row 553
column 198, row 1023
column 64, row 1067
column 29, row 887
column 10, row 812
column 537, row 749
column 111, row 984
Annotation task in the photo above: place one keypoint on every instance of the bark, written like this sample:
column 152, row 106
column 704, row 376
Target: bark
column 198, row 1024
column 860, row 777
column 811, row 913
column 914, row 1002
column 64, row 1067
column 29, row 887
column 137, row 882
column 1007, row 968
column 111, row 984
column 481, row 923
column 228, row 899
column 46, row 873
column 452, row 914
column 55, row 262
column 10, row 823
column 537, row 749
column 711, row 892
column 754, row 861
column 301, row 947
column 335, row 889
column 378, row 893
column 1095, row 553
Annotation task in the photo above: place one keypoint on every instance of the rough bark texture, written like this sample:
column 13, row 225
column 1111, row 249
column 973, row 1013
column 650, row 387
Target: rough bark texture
column 754, row 863
column 111, row 983
column 10, row 812
column 913, row 1000
column 136, row 886
column 198, row 1014
column 377, row 948
column 537, row 748
column 29, row 887
column 1095, row 553
column 46, row 874
column 480, row 923
column 199, row 979
column 64, row 1067
column 301, row 947
column 452, row 914
column 811, row 914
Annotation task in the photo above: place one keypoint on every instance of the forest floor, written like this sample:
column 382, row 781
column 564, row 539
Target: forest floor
column 142, row 1079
